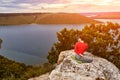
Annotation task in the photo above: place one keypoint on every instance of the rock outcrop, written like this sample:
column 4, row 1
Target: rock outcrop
column 69, row 69
column 42, row 77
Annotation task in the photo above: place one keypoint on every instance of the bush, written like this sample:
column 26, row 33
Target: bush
column 11, row 70
column 103, row 41
column 66, row 41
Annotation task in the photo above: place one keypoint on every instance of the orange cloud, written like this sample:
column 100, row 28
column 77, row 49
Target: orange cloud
column 71, row 6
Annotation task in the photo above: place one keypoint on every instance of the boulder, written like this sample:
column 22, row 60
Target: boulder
column 69, row 69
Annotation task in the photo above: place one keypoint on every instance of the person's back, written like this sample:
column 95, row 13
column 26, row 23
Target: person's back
column 79, row 49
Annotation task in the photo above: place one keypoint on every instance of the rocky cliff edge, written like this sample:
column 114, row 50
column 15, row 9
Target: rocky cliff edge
column 69, row 69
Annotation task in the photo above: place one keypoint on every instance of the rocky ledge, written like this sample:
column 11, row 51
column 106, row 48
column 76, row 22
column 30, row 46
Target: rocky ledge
column 69, row 69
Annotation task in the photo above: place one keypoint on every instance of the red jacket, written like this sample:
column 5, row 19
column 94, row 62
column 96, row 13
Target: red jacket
column 80, row 47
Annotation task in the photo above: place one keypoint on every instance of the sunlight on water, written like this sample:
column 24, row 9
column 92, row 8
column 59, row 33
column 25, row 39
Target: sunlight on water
column 32, row 41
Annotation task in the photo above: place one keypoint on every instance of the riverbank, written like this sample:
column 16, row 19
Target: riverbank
column 44, row 18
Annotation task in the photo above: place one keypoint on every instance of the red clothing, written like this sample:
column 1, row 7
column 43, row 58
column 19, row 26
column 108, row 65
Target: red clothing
column 80, row 47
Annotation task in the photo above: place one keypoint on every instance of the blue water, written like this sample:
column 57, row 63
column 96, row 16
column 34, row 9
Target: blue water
column 22, row 57
column 30, row 43
column 30, row 40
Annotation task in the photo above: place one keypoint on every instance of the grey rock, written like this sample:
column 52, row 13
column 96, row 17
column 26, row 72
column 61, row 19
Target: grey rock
column 41, row 77
column 69, row 69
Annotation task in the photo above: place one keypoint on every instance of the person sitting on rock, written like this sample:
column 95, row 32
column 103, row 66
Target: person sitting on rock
column 79, row 49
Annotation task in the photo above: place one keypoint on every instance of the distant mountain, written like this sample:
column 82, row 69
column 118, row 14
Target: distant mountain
column 16, row 19
column 103, row 15
column 44, row 18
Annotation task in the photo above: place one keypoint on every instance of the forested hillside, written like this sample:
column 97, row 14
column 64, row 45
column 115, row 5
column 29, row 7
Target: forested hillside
column 11, row 70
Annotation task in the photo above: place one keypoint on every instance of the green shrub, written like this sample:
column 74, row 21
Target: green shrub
column 103, row 41
column 11, row 70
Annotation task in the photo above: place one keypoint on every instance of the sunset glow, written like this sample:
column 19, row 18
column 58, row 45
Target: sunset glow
column 71, row 6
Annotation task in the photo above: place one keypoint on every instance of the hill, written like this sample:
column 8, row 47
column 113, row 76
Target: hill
column 9, row 67
column 15, row 19
column 64, row 18
column 44, row 18
column 11, row 70
column 107, row 15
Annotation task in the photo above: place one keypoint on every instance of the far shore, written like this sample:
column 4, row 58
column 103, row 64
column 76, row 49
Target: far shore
column 44, row 18
column 8, row 19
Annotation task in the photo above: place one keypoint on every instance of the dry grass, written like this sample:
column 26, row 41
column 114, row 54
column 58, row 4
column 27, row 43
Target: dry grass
column 45, row 18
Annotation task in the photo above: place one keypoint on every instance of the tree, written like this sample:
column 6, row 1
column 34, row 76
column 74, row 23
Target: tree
column 66, row 41
column 103, row 41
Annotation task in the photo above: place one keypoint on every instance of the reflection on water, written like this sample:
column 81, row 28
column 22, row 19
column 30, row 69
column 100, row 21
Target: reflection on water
column 22, row 57
column 32, row 39
column 31, row 43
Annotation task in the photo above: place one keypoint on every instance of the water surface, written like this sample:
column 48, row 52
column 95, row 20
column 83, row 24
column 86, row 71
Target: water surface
column 31, row 39
column 30, row 43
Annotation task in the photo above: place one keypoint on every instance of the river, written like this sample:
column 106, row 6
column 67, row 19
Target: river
column 31, row 40
column 30, row 44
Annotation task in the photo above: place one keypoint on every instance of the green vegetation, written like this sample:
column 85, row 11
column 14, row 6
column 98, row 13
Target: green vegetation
column 11, row 70
column 66, row 41
column 103, row 41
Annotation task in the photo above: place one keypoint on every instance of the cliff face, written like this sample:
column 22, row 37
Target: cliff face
column 69, row 69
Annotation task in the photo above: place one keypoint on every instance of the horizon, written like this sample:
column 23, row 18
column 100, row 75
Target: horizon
column 59, row 6
column 53, row 12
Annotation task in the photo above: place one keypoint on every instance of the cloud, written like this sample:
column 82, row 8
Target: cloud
column 7, row 1
column 24, row 5
column 58, row 5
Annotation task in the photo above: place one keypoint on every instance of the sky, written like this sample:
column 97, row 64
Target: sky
column 54, row 6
